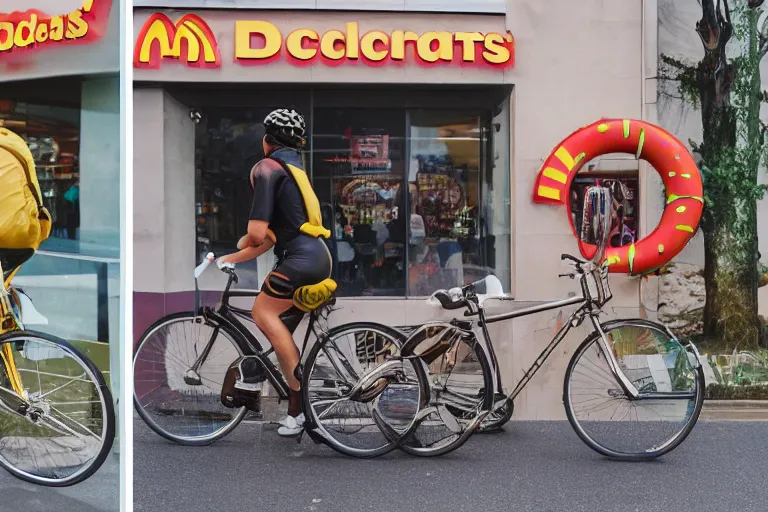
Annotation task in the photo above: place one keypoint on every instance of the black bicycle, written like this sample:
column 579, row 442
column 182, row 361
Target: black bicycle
column 362, row 397
column 632, row 391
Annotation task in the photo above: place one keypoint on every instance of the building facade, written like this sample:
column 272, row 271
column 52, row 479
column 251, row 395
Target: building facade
column 60, row 90
column 427, row 129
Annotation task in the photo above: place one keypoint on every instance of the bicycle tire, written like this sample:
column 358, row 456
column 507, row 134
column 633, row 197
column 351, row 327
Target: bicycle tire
column 666, row 447
column 312, row 421
column 148, row 420
column 486, row 402
column 106, row 401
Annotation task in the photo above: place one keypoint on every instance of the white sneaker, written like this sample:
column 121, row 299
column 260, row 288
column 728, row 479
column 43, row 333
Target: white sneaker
column 291, row 426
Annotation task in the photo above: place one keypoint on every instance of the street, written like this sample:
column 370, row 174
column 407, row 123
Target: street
column 100, row 493
column 539, row 466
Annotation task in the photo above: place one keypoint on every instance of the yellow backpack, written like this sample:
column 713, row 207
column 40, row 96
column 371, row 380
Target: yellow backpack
column 24, row 222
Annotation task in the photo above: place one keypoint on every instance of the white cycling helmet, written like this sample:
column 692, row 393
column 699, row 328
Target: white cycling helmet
column 286, row 126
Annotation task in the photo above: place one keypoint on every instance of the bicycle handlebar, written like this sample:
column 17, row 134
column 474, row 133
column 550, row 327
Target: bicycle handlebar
column 204, row 265
column 447, row 302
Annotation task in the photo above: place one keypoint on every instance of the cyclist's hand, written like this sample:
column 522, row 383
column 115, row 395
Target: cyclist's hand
column 225, row 262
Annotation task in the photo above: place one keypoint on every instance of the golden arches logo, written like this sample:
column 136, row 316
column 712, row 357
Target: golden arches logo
column 160, row 39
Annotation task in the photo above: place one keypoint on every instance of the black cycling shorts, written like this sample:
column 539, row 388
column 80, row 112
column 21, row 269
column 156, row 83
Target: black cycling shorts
column 307, row 261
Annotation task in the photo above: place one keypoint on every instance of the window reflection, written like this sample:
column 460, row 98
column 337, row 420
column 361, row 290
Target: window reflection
column 445, row 150
column 358, row 168
column 53, row 137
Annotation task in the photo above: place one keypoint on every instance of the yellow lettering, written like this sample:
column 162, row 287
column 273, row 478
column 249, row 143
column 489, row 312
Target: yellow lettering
column 57, row 29
column 244, row 32
column 87, row 6
column 77, row 26
column 41, row 33
column 294, row 43
column 25, row 32
column 397, row 45
column 328, row 45
column 353, row 41
column 495, row 50
column 6, row 36
column 468, row 40
column 368, row 45
column 444, row 49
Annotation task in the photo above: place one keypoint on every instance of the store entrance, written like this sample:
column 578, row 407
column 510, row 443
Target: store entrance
column 408, row 178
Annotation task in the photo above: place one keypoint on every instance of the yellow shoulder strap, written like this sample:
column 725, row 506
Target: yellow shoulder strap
column 314, row 225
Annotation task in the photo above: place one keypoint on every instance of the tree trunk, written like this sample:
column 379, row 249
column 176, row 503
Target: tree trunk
column 729, row 223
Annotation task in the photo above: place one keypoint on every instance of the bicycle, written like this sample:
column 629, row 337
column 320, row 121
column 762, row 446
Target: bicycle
column 57, row 418
column 361, row 396
column 638, row 366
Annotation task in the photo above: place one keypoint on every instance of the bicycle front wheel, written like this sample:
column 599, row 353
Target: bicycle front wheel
column 59, row 431
column 670, row 381
column 178, row 371
column 461, row 388
column 372, row 420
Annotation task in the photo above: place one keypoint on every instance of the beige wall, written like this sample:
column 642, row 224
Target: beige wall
column 575, row 62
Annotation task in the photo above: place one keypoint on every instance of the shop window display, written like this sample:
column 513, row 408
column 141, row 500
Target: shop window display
column 53, row 136
column 415, row 198
column 444, row 181
column 358, row 167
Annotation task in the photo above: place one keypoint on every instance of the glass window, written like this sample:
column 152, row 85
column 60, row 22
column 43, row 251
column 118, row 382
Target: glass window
column 416, row 199
column 53, row 136
column 448, row 180
column 358, row 168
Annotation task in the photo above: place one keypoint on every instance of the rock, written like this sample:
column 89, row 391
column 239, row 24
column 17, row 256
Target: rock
column 681, row 298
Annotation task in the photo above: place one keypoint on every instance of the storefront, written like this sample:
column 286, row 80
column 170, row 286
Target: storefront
column 59, row 89
column 425, row 133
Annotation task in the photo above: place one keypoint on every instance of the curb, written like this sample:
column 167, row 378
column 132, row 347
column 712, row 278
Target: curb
column 735, row 410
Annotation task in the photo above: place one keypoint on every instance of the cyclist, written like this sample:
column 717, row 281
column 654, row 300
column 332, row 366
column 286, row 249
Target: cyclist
column 286, row 214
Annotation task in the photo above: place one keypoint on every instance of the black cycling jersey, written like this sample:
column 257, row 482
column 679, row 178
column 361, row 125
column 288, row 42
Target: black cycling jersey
column 303, row 259
column 276, row 197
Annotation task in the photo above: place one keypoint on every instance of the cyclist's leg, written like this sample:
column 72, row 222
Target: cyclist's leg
column 275, row 300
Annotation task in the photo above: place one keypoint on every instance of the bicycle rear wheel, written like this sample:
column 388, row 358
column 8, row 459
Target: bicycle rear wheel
column 461, row 388
column 378, row 418
column 612, row 423
column 178, row 370
column 64, row 430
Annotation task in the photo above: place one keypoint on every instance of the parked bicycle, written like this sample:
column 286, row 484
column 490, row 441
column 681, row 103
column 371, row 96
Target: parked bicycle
column 57, row 418
column 632, row 391
column 361, row 397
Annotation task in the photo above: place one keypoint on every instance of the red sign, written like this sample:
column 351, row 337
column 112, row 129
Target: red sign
column 191, row 41
column 32, row 29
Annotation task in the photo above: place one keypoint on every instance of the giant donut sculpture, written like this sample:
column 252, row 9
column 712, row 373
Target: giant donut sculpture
column 665, row 153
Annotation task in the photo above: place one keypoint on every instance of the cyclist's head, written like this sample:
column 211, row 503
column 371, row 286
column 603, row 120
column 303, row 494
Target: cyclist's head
column 284, row 127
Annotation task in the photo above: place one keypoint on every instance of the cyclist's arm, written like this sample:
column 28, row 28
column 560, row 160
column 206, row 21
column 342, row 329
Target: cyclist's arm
column 266, row 177
column 249, row 253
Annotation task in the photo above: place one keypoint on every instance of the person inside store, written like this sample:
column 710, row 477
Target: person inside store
column 285, row 214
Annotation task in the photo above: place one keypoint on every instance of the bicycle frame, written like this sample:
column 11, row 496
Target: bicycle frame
column 588, row 307
column 229, row 315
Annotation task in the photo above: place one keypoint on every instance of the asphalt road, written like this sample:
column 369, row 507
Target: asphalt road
column 100, row 493
column 533, row 466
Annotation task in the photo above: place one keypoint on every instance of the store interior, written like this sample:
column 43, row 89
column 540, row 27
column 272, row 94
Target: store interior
column 405, row 178
column 51, row 126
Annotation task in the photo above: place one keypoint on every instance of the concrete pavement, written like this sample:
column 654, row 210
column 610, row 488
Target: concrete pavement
column 539, row 466
column 100, row 493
